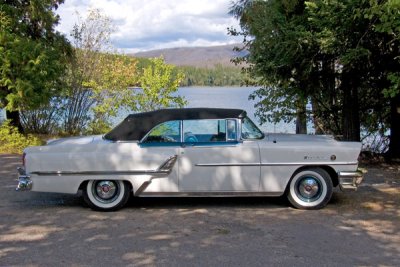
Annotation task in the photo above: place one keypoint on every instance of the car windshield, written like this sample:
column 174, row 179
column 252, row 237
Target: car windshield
column 250, row 130
column 165, row 132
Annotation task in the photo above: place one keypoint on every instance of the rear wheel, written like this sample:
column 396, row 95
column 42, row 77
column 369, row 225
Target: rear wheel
column 310, row 189
column 106, row 195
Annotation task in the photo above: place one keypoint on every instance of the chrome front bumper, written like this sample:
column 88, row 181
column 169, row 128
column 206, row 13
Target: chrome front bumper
column 24, row 181
column 349, row 181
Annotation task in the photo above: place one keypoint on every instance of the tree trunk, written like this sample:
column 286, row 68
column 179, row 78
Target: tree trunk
column 13, row 116
column 351, row 117
column 318, row 125
column 329, row 122
column 394, row 146
column 301, row 119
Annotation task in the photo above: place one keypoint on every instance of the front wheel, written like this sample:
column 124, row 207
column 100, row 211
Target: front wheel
column 106, row 195
column 310, row 189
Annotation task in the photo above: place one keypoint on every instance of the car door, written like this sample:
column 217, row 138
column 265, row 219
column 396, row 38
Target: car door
column 161, row 143
column 213, row 159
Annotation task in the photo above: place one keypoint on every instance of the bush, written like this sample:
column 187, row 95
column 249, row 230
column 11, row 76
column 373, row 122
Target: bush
column 11, row 141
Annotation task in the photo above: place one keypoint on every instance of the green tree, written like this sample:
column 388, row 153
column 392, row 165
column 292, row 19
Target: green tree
column 98, row 79
column 342, row 56
column 99, row 82
column 386, row 73
column 159, row 85
column 279, row 45
column 113, row 90
column 32, row 55
column 363, row 37
column 199, row 76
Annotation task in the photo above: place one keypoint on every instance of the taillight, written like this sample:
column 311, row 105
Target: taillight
column 23, row 159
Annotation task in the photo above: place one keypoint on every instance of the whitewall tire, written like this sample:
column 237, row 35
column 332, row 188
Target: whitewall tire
column 106, row 195
column 310, row 189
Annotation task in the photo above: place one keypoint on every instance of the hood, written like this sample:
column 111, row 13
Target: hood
column 298, row 137
column 80, row 140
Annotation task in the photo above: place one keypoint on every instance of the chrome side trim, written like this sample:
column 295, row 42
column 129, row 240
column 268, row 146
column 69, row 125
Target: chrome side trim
column 65, row 173
column 168, row 165
column 226, row 164
column 274, row 164
column 200, row 145
column 142, row 188
column 211, row 194
column 164, row 170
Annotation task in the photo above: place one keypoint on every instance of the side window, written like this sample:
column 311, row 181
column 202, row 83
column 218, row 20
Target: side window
column 209, row 130
column 166, row 132
column 250, row 130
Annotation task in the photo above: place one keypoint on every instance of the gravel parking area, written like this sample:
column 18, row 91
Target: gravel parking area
column 355, row 229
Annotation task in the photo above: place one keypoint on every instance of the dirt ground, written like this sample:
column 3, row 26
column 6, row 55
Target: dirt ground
column 356, row 229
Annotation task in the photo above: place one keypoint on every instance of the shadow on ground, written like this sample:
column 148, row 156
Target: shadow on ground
column 355, row 229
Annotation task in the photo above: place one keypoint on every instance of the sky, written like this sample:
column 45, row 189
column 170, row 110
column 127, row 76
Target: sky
column 142, row 25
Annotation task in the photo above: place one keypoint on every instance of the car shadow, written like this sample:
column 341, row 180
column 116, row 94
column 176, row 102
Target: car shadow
column 207, row 202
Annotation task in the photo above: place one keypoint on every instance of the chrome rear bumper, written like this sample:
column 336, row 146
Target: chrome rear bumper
column 24, row 181
column 349, row 181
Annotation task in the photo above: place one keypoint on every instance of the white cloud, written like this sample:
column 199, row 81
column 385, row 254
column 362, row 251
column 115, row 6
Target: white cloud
column 153, row 24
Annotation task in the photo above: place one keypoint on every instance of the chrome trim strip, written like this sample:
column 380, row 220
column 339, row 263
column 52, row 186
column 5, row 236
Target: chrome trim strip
column 217, row 144
column 61, row 173
column 211, row 194
column 273, row 164
column 164, row 170
column 142, row 188
column 350, row 174
column 226, row 164
column 168, row 165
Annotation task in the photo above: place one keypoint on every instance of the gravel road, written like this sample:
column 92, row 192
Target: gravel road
column 355, row 229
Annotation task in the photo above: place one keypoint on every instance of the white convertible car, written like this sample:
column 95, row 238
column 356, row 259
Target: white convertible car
column 192, row 152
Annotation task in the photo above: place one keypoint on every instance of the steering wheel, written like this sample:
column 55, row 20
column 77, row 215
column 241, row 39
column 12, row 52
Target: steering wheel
column 190, row 138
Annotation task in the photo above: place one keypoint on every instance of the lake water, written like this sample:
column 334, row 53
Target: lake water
column 230, row 97
column 224, row 97
column 221, row 97
column 2, row 115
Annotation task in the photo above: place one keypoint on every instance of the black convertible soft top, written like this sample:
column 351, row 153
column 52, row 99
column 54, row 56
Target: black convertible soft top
column 136, row 126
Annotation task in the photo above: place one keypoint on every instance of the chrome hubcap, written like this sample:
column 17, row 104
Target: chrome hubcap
column 308, row 189
column 105, row 191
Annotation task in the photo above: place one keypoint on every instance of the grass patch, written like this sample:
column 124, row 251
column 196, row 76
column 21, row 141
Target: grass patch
column 13, row 142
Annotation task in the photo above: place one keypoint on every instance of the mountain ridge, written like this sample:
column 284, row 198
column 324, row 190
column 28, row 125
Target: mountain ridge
column 201, row 56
